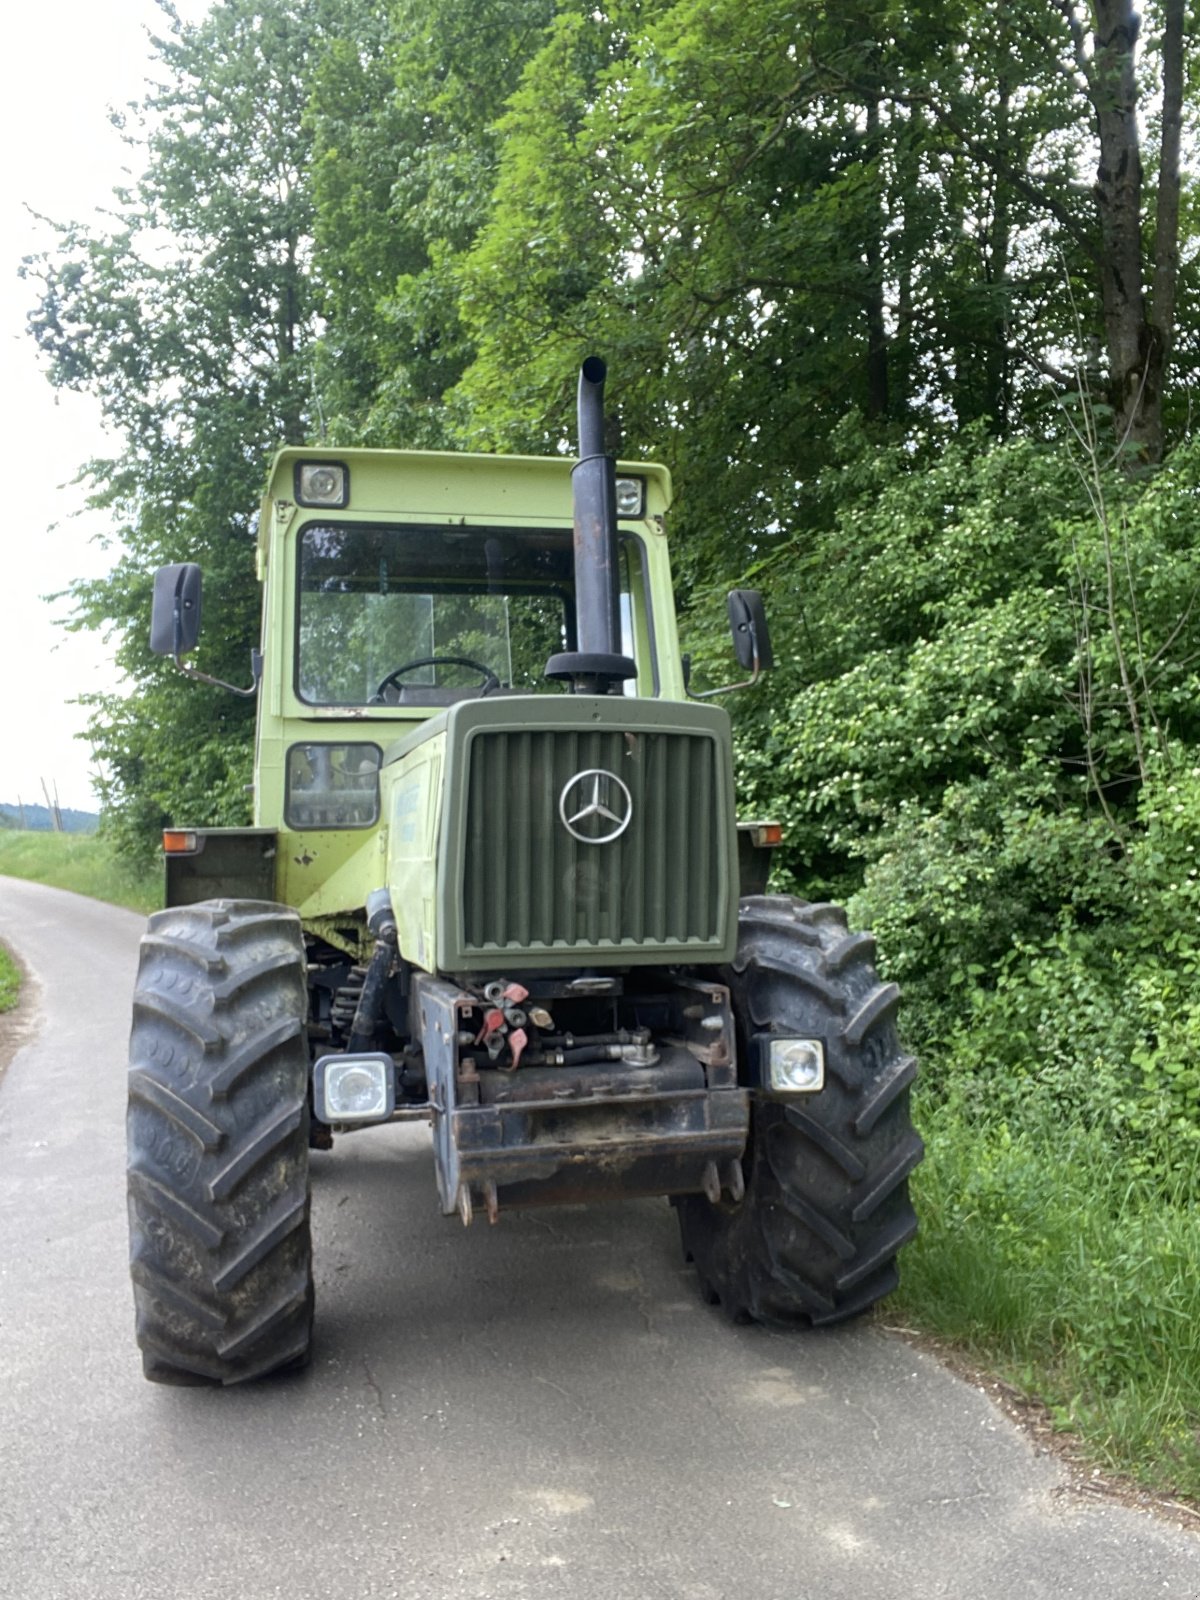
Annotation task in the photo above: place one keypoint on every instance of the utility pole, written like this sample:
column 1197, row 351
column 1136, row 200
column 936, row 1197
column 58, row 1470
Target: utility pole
column 55, row 819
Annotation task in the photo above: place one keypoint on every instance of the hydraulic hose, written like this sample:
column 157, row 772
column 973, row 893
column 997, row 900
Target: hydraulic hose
column 370, row 1001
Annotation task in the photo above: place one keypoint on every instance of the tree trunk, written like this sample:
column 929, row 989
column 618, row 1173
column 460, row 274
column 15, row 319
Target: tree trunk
column 1166, row 222
column 287, row 320
column 1135, row 355
column 996, row 369
column 878, row 397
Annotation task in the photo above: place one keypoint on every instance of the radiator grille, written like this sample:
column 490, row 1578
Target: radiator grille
column 529, row 885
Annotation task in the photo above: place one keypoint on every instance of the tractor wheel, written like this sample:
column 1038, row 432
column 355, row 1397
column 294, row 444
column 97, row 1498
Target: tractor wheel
column 218, row 1118
column 826, row 1209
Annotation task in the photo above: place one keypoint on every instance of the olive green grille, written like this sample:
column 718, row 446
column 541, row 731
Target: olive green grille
column 529, row 885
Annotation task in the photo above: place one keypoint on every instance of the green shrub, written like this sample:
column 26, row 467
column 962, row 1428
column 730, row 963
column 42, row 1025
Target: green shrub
column 1164, row 937
column 986, row 735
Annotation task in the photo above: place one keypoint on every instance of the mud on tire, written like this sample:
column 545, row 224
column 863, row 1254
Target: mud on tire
column 826, row 1208
column 217, row 1127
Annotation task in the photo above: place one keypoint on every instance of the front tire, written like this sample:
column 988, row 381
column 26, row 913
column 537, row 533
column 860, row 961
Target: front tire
column 220, row 1248
column 826, row 1209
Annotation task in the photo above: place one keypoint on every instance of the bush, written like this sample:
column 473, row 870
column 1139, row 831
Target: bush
column 993, row 751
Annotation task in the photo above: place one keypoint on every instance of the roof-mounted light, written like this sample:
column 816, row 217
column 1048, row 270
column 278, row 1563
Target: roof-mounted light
column 322, row 484
column 631, row 497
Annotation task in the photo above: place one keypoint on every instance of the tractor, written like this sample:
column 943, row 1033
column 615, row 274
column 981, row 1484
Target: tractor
column 495, row 882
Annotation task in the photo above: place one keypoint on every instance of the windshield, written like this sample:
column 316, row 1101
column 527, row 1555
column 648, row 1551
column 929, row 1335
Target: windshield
column 427, row 616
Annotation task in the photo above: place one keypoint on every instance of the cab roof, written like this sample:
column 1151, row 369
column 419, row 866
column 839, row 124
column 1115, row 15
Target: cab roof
column 445, row 486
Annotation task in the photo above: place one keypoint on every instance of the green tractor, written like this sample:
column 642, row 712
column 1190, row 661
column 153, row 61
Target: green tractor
column 495, row 882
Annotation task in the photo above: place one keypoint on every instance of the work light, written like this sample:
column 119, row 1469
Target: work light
column 322, row 483
column 795, row 1066
column 631, row 497
column 360, row 1088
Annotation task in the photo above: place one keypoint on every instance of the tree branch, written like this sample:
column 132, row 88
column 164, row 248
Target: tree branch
column 979, row 150
column 1070, row 16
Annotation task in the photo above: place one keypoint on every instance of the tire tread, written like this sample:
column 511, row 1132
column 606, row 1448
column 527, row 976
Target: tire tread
column 826, row 1210
column 220, row 1251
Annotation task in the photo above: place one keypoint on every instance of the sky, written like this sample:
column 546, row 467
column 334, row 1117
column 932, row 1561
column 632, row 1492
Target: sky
column 62, row 159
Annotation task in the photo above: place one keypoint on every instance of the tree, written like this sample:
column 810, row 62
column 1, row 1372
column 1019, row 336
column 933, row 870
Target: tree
column 403, row 222
column 403, row 115
column 1139, row 328
column 777, row 214
column 1082, row 99
column 193, row 321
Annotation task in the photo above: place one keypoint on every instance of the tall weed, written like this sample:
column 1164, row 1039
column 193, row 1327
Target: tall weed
column 1042, row 1252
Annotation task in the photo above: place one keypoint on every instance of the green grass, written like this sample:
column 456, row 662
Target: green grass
column 1054, row 1263
column 10, row 981
column 83, row 862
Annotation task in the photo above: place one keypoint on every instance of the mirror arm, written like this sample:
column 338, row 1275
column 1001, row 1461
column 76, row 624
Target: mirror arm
column 219, row 683
column 728, row 688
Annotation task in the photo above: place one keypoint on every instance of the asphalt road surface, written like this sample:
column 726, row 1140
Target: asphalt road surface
column 542, row 1408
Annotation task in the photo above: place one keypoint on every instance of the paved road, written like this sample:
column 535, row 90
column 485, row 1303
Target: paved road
column 538, row 1409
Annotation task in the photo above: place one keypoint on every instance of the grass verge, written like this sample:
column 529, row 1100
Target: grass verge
column 1071, row 1274
column 10, row 981
column 83, row 862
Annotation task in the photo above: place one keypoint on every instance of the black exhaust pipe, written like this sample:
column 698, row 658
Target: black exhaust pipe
column 595, row 667
column 594, row 486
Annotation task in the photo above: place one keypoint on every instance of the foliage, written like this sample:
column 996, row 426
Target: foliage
column 952, row 741
column 402, row 221
column 403, row 113
column 1163, row 959
column 25, row 815
column 929, row 738
column 769, row 216
column 192, row 319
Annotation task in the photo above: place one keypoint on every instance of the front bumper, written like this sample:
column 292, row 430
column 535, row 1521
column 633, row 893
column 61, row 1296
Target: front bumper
column 545, row 1136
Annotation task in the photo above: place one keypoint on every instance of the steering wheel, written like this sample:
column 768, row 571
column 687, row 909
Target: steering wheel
column 490, row 680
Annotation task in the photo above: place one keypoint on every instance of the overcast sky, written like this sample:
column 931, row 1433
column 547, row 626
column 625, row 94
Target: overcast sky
column 68, row 65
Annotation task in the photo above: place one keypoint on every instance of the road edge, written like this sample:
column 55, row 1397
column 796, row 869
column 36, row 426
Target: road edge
column 19, row 1026
column 1083, row 1482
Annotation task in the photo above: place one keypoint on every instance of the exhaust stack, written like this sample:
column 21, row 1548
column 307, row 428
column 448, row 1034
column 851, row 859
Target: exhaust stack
column 595, row 667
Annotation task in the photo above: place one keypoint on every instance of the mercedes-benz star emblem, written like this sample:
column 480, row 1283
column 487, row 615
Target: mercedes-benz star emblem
column 595, row 806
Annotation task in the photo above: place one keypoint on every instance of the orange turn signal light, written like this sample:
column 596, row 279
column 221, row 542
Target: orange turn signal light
column 179, row 842
column 764, row 835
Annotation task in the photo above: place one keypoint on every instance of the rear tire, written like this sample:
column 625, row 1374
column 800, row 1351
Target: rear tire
column 220, row 1248
column 826, row 1208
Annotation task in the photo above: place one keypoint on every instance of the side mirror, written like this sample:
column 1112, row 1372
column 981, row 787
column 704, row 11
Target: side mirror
column 748, row 625
column 175, row 623
column 175, row 614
